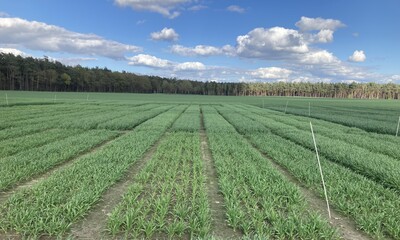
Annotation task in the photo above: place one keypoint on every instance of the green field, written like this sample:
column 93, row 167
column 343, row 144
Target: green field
column 137, row 166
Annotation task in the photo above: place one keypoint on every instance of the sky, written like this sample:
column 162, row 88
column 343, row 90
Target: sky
column 213, row 40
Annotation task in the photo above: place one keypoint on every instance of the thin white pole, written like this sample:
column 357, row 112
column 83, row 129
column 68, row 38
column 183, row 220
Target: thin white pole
column 320, row 170
column 286, row 106
column 6, row 99
column 397, row 130
column 309, row 109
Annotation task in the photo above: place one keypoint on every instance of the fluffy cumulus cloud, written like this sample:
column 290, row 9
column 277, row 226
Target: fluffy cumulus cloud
column 189, row 66
column 271, row 73
column 43, row 37
column 311, row 24
column 149, row 61
column 202, row 50
column 272, row 43
column 324, row 36
column 168, row 8
column 158, row 63
column 235, row 8
column 166, row 34
column 357, row 56
column 294, row 52
column 319, row 57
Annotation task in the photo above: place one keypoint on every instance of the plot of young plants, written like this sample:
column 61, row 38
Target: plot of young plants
column 156, row 170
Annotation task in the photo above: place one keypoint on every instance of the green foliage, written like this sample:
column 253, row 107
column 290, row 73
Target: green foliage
column 43, row 158
column 55, row 203
column 374, row 208
column 259, row 200
column 168, row 197
column 169, row 194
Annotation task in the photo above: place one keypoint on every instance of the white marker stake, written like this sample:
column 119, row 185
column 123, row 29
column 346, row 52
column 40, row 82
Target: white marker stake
column 320, row 170
column 286, row 106
column 6, row 99
column 397, row 131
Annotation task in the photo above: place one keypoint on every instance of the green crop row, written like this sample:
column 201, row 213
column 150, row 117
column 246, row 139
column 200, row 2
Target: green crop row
column 14, row 132
column 384, row 144
column 51, row 206
column 27, row 164
column 92, row 122
column 259, row 200
column 189, row 121
column 378, row 167
column 19, row 113
column 25, row 143
column 131, row 120
column 375, row 209
column 367, row 122
column 54, row 121
column 51, row 116
column 168, row 198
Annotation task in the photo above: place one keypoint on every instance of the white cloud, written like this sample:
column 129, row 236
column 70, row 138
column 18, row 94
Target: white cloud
column 235, row 8
column 149, row 61
column 13, row 51
column 167, row 8
column 41, row 36
column 395, row 77
column 158, row 63
column 271, row 73
column 272, row 43
column 166, row 34
column 358, row 56
column 319, row 57
column 310, row 24
column 202, row 50
column 186, row 66
column 325, row 36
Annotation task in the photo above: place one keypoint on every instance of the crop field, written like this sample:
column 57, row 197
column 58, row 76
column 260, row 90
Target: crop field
column 109, row 166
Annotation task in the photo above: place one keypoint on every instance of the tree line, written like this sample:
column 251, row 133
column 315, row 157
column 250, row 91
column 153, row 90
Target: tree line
column 43, row 74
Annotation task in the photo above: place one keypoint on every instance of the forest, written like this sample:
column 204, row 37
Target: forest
column 44, row 74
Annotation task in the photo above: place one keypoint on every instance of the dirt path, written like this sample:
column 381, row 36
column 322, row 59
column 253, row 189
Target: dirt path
column 221, row 230
column 94, row 224
column 5, row 195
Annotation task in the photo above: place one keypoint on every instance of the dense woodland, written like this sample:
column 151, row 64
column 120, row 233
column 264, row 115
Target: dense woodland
column 33, row 74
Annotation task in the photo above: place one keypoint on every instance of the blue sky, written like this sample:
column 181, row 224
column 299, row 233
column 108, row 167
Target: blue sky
column 224, row 41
